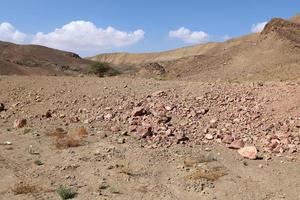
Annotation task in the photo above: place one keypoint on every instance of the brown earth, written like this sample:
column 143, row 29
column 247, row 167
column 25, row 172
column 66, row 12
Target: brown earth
column 39, row 60
column 271, row 55
column 122, row 138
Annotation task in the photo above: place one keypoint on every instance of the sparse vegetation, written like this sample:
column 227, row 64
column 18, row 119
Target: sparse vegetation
column 66, row 142
column 65, row 193
column 38, row 162
column 102, row 69
column 26, row 131
column 161, row 78
column 64, row 139
column 211, row 175
column 114, row 190
column 23, row 188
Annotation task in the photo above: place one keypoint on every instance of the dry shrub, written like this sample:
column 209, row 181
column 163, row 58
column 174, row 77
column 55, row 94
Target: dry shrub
column 78, row 133
column 23, row 188
column 58, row 132
column 72, row 139
column 190, row 162
column 210, row 175
column 66, row 142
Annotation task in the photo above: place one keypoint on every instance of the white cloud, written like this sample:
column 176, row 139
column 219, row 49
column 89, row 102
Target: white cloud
column 85, row 36
column 225, row 37
column 74, row 36
column 10, row 34
column 189, row 36
column 257, row 28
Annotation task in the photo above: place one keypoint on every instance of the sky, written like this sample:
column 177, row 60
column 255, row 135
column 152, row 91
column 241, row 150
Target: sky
column 91, row 27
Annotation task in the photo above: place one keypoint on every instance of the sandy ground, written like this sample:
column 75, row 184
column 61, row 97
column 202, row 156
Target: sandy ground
column 118, row 165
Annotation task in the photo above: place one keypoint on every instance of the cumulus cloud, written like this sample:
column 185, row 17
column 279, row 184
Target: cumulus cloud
column 257, row 28
column 85, row 36
column 74, row 36
column 10, row 34
column 189, row 36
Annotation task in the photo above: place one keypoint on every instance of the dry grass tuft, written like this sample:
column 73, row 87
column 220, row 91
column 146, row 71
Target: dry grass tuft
column 23, row 188
column 66, row 142
column 210, row 175
column 64, row 139
column 58, row 132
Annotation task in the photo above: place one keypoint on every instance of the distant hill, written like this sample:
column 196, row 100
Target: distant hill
column 39, row 60
column 273, row 54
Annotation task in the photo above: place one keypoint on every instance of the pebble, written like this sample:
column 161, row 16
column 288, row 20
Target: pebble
column 249, row 152
column 19, row 123
column 2, row 107
column 209, row 136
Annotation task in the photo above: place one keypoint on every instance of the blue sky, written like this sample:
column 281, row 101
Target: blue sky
column 137, row 25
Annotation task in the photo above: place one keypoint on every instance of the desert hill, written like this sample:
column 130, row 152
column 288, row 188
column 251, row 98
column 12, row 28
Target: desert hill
column 273, row 54
column 34, row 59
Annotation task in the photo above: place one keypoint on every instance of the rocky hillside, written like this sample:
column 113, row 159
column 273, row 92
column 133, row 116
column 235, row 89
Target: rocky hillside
column 39, row 60
column 273, row 54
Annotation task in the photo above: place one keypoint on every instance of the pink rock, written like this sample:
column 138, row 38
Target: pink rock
column 237, row 144
column 19, row 123
column 138, row 111
column 158, row 93
column 273, row 144
column 228, row 139
column 132, row 128
column 249, row 152
column 108, row 116
column 115, row 129
column 144, row 131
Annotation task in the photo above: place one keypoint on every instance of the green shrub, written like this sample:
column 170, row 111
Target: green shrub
column 65, row 193
column 38, row 162
column 103, row 69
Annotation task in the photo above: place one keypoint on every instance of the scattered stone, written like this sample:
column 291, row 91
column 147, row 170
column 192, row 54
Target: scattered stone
column 249, row 152
column 121, row 140
column 108, row 116
column 213, row 123
column 115, row 129
column 138, row 111
column 19, row 123
column 7, row 143
column 237, row 144
column 2, row 107
column 144, row 131
column 227, row 139
column 48, row 114
column 159, row 93
column 209, row 136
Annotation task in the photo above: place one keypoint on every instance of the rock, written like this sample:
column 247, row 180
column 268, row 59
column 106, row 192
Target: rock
column 121, row 141
column 114, row 129
column 19, row 123
column 292, row 148
column 159, row 93
column 213, row 123
column 7, row 143
column 227, row 139
column 249, row 152
column 48, row 114
column 144, row 131
column 108, row 116
column 2, row 107
column 203, row 111
column 138, row 111
column 209, row 136
column 168, row 108
column 181, row 138
column 237, row 144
